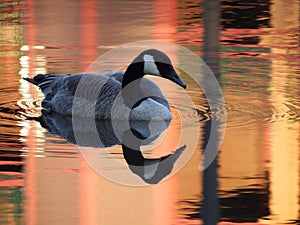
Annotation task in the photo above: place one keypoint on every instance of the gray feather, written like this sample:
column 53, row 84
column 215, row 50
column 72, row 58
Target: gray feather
column 95, row 94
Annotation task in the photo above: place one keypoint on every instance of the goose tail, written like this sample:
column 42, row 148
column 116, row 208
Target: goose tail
column 36, row 80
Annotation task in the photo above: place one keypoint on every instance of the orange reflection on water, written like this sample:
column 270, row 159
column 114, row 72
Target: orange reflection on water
column 165, row 20
column 77, row 193
column 284, row 148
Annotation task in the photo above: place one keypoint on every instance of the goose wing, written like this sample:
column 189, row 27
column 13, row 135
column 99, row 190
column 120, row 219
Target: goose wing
column 54, row 83
column 61, row 90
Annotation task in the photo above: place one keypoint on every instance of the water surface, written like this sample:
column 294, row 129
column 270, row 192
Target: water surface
column 255, row 178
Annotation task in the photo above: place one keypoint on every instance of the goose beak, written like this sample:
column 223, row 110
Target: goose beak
column 173, row 76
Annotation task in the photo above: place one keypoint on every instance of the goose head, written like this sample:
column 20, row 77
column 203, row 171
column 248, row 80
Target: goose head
column 151, row 170
column 152, row 62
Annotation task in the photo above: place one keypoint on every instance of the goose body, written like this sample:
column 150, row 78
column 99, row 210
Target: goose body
column 111, row 95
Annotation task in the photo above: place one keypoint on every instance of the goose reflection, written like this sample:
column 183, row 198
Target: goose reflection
column 150, row 170
column 131, row 135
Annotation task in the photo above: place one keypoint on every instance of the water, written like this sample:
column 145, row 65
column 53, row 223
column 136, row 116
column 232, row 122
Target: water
column 255, row 178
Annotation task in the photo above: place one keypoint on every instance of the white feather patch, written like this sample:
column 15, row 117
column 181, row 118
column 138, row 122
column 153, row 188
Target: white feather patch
column 150, row 168
column 150, row 66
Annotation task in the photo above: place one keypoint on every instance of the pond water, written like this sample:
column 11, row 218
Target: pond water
column 45, row 178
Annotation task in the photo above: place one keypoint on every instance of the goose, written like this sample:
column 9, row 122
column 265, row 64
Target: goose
column 111, row 95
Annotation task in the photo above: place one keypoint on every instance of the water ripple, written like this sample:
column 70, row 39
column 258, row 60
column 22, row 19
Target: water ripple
column 190, row 116
column 30, row 107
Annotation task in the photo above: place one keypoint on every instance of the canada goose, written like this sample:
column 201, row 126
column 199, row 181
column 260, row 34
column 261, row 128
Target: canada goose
column 99, row 94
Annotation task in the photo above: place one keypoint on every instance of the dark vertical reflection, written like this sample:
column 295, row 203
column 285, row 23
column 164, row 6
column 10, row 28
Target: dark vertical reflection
column 211, row 18
column 210, row 212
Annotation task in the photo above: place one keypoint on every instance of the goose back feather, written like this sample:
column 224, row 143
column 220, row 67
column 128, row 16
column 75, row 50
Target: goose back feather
column 95, row 94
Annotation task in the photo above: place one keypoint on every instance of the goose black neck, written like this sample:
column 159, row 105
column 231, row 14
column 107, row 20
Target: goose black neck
column 133, row 95
column 134, row 72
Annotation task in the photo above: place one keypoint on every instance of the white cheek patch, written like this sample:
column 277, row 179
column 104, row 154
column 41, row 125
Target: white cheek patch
column 150, row 66
column 150, row 168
